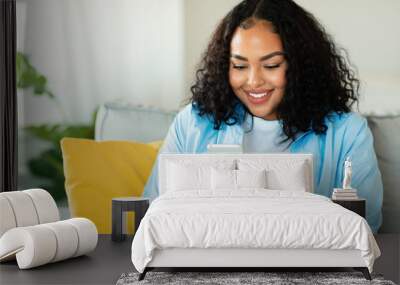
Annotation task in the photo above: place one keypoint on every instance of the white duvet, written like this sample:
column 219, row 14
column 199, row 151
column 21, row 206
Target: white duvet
column 252, row 218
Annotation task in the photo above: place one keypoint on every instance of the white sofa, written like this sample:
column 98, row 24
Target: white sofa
column 124, row 121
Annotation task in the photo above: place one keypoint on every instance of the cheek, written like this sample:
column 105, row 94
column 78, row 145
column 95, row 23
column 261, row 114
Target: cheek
column 278, row 79
column 236, row 79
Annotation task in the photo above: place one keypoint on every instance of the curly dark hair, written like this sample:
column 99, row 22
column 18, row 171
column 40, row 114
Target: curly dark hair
column 320, row 80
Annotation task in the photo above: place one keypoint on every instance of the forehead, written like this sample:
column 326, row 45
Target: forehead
column 256, row 41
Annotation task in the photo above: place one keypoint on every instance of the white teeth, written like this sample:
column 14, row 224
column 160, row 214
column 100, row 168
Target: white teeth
column 259, row 95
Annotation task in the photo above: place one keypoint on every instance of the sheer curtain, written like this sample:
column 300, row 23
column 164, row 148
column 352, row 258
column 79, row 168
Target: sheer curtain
column 8, row 97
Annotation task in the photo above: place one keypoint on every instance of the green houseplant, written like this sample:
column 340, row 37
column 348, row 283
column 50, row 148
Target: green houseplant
column 48, row 165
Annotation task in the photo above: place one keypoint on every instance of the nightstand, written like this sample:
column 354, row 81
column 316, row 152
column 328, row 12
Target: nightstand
column 139, row 205
column 357, row 205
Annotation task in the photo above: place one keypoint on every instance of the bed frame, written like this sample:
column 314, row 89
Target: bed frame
column 260, row 259
column 248, row 259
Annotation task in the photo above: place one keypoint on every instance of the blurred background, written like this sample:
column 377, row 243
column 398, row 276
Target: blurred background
column 76, row 55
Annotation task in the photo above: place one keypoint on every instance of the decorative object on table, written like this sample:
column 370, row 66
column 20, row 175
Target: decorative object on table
column 97, row 171
column 355, row 205
column 243, row 278
column 347, row 192
column 139, row 205
column 31, row 233
column 347, row 174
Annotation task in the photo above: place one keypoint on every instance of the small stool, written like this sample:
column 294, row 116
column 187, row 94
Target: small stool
column 139, row 205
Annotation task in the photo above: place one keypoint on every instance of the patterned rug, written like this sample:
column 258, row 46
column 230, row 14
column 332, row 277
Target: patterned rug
column 243, row 278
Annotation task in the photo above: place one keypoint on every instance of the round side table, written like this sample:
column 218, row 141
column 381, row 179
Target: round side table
column 139, row 205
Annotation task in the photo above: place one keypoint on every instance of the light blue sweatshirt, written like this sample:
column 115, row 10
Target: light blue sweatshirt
column 348, row 135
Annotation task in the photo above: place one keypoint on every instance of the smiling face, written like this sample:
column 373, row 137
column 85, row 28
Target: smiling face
column 257, row 68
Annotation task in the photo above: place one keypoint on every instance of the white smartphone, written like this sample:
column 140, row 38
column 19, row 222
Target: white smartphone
column 224, row 148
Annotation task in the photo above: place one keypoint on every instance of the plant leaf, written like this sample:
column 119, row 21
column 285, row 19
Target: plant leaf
column 29, row 77
column 49, row 163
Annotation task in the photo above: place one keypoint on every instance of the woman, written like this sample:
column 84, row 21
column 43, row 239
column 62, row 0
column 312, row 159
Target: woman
column 272, row 80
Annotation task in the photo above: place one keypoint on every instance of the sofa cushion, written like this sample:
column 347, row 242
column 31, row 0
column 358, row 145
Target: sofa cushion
column 96, row 172
column 123, row 121
column 385, row 130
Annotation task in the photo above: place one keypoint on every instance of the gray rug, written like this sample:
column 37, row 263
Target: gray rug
column 230, row 278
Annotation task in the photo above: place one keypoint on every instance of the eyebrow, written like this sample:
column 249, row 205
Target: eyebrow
column 265, row 57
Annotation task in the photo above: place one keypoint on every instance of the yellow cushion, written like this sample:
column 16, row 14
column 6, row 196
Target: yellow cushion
column 95, row 172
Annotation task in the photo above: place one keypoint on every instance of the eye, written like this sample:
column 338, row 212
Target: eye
column 239, row 67
column 271, row 66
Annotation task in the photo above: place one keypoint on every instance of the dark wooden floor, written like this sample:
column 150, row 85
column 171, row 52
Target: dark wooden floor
column 110, row 260
column 389, row 262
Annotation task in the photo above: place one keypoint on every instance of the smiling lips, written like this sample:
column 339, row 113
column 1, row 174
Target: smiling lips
column 259, row 97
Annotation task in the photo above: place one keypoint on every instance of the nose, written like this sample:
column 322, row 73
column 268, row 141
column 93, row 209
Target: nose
column 255, row 78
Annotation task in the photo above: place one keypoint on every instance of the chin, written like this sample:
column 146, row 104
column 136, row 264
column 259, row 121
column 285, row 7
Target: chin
column 260, row 113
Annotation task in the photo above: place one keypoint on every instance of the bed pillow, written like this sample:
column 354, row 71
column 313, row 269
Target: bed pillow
column 183, row 177
column 227, row 179
column 223, row 179
column 251, row 178
column 281, row 175
column 186, row 174
column 293, row 178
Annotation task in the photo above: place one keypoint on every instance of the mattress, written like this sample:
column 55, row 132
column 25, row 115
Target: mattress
column 250, row 219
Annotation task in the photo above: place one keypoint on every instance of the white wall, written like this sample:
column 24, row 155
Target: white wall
column 92, row 51
column 370, row 31
column 201, row 18
column 99, row 50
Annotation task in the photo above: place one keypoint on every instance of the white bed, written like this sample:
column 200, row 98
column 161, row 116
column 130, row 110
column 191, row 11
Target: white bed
column 198, row 223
